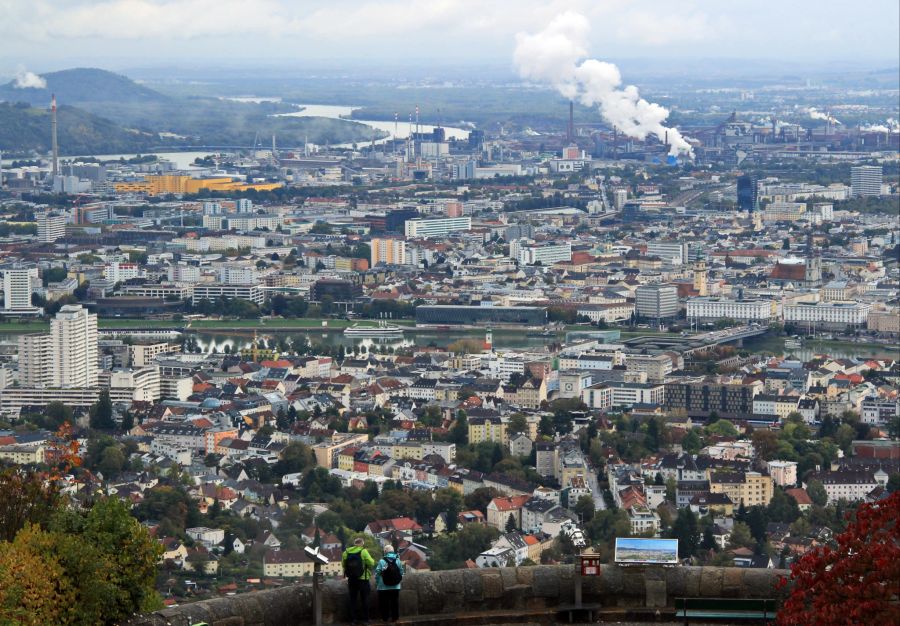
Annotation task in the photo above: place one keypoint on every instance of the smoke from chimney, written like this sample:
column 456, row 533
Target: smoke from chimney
column 555, row 55
column 28, row 80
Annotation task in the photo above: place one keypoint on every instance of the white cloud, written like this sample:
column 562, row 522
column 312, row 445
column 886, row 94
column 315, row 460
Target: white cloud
column 28, row 80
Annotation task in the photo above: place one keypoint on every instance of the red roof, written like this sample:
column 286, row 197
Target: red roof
column 799, row 495
column 513, row 503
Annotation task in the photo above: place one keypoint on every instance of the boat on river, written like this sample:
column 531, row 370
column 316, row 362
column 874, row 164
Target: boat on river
column 382, row 329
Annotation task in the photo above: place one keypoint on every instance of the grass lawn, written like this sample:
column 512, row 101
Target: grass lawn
column 24, row 327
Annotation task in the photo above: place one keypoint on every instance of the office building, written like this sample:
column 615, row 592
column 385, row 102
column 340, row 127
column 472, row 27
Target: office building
column 50, row 227
column 656, row 302
column 440, row 227
column 866, row 180
column 388, row 251
column 214, row 291
column 620, row 197
column 395, row 221
column 18, row 285
column 336, row 290
column 837, row 315
column 748, row 193
column 674, row 252
column 540, row 254
column 715, row 308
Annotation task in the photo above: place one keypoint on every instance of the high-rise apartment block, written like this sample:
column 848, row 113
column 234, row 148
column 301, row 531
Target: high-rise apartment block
column 18, row 285
column 50, row 227
column 866, row 180
column 388, row 252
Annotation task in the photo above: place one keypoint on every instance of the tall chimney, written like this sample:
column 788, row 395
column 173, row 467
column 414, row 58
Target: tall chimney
column 570, row 130
column 53, row 134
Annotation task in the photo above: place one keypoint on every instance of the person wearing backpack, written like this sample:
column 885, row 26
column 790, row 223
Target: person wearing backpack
column 358, row 565
column 388, row 576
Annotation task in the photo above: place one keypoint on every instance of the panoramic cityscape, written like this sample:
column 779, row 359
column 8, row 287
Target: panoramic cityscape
column 449, row 313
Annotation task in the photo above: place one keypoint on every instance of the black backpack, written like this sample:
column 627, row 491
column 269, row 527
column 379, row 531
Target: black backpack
column 354, row 567
column 391, row 575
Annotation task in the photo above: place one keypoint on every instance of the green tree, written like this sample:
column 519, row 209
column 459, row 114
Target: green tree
column 101, row 413
column 651, row 439
column 510, row 523
column 722, row 428
column 816, row 492
column 691, row 443
column 585, row 509
column 111, row 462
column 782, row 507
column 517, row 424
column 296, row 457
column 459, row 432
column 741, row 537
column 685, row 529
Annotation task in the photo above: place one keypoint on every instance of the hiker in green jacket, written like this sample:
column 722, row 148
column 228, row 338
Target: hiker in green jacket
column 358, row 564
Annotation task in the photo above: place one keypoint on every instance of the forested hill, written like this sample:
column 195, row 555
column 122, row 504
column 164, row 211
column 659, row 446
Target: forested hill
column 25, row 129
column 80, row 86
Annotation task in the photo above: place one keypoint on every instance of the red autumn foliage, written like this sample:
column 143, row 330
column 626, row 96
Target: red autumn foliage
column 856, row 582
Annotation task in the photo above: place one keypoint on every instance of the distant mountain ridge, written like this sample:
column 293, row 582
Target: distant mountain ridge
column 80, row 86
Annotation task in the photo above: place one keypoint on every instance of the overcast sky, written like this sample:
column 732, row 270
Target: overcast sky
column 45, row 35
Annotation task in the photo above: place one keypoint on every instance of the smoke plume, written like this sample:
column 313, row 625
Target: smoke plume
column 890, row 126
column 818, row 115
column 28, row 80
column 556, row 55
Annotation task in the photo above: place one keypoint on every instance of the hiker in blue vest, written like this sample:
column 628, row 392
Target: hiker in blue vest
column 358, row 565
column 388, row 576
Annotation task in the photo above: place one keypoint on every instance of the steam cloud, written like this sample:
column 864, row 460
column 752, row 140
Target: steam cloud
column 555, row 55
column 28, row 80
column 890, row 126
column 818, row 115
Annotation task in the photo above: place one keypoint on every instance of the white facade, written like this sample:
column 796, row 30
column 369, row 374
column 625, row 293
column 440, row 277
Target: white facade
column 656, row 301
column 674, row 252
column 73, row 342
column 120, row 272
column 718, row 308
column 441, row 227
column 237, row 275
column 545, row 254
column 34, row 357
column 214, row 291
column 50, row 227
column 865, row 180
column 180, row 273
column 836, row 313
column 784, row 473
column 18, row 285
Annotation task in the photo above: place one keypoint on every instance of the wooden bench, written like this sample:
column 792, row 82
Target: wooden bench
column 762, row 609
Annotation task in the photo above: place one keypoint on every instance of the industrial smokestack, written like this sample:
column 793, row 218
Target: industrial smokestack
column 570, row 131
column 55, row 144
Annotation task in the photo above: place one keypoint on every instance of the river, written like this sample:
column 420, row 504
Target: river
column 400, row 129
column 501, row 339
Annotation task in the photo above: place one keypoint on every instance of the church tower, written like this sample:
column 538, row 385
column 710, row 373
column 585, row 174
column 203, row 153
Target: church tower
column 700, row 276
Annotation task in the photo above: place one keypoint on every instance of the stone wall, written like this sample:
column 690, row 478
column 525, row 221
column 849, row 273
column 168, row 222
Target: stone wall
column 530, row 590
